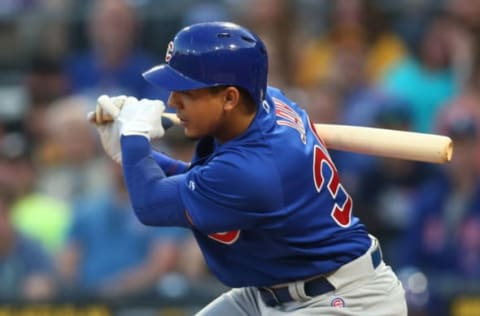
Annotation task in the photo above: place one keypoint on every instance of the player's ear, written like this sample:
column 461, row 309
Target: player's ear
column 231, row 98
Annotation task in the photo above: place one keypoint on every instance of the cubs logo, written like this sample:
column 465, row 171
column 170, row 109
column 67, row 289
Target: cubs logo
column 337, row 302
column 169, row 53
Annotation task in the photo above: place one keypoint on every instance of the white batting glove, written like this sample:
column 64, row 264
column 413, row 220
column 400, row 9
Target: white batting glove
column 109, row 131
column 110, row 138
column 101, row 116
column 141, row 117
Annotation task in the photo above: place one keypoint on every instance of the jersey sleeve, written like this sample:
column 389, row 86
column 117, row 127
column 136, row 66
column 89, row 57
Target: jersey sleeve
column 232, row 193
column 154, row 197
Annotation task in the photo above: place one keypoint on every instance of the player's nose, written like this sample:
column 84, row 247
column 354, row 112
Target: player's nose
column 174, row 100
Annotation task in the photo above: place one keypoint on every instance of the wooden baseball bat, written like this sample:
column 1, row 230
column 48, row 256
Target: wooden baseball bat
column 367, row 140
column 387, row 142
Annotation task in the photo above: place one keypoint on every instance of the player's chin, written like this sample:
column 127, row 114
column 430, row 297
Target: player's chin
column 192, row 134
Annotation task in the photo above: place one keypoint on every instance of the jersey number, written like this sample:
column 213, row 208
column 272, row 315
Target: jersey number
column 227, row 238
column 324, row 172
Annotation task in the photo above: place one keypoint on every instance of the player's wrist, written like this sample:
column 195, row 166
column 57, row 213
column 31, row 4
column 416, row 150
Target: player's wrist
column 142, row 118
column 136, row 128
column 134, row 148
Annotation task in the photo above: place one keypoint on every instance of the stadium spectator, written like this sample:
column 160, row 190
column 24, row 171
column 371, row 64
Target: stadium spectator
column 428, row 68
column 442, row 240
column 352, row 25
column 72, row 167
column 26, row 271
column 465, row 103
column 323, row 103
column 114, row 60
column 34, row 214
column 109, row 253
column 387, row 190
column 43, row 82
column 359, row 103
column 466, row 11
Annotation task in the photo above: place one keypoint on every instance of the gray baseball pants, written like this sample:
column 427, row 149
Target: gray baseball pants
column 360, row 290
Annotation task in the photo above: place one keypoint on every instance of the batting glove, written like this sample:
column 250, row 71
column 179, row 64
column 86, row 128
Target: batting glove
column 101, row 116
column 108, row 129
column 141, row 117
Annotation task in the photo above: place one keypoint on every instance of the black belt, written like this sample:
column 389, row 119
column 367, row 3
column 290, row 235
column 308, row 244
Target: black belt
column 273, row 296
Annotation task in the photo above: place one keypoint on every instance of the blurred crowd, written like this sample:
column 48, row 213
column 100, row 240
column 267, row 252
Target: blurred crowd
column 66, row 227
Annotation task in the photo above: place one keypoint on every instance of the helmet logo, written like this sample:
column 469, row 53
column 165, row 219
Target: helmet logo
column 169, row 53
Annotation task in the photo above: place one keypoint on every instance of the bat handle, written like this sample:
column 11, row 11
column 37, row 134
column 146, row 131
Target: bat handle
column 167, row 122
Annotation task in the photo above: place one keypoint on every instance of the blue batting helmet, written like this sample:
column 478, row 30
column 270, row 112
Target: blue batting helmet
column 213, row 54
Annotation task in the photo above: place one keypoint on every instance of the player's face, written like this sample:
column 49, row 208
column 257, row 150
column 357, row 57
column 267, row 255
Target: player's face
column 201, row 111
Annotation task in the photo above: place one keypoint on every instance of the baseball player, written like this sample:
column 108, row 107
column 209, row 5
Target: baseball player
column 261, row 193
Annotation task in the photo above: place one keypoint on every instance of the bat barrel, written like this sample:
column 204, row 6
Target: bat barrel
column 387, row 143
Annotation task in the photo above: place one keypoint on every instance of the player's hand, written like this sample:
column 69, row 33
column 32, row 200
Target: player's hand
column 109, row 130
column 110, row 138
column 140, row 117
column 101, row 116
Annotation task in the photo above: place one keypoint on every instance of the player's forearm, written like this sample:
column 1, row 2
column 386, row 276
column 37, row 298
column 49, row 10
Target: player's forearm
column 154, row 197
column 169, row 165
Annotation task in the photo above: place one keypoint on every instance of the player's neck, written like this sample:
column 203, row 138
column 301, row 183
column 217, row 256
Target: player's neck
column 234, row 124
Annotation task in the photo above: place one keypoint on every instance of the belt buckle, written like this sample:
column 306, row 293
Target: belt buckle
column 272, row 293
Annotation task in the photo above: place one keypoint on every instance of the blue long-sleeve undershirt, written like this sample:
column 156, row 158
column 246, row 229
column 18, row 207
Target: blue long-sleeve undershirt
column 169, row 165
column 155, row 198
